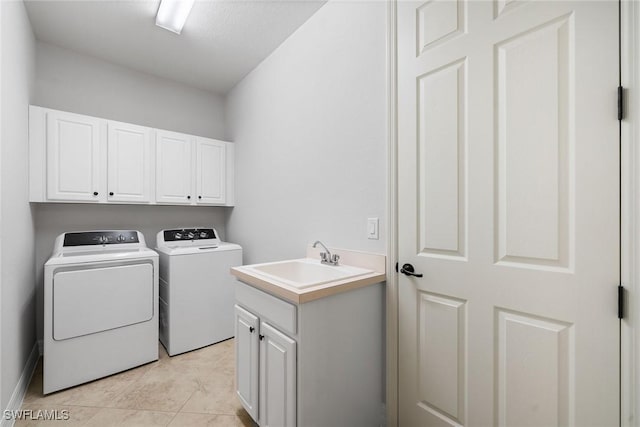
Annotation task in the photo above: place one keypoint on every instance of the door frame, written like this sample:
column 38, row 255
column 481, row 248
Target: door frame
column 391, row 348
column 629, row 212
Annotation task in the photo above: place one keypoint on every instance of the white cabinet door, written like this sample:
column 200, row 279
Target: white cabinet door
column 277, row 378
column 210, row 171
column 73, row 157
column 247, row 362
column 174, row 172
column 129, row 165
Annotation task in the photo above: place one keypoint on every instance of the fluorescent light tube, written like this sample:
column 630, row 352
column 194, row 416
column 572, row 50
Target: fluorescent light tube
column 172, row 14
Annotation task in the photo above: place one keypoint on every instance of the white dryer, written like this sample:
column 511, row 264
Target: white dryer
column 196, row 288
column 100, row 307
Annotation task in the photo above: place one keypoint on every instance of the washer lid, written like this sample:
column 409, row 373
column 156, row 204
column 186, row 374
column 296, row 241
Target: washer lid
column 188, row 250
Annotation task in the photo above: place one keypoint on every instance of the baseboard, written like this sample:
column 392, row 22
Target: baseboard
column 17, row 397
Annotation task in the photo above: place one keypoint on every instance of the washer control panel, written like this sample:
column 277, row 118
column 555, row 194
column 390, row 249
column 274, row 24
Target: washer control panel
column 111, row 237
column 186, row 234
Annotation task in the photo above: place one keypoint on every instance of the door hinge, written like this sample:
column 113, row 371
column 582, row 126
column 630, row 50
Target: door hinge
column 620, row 302
column 620, row 103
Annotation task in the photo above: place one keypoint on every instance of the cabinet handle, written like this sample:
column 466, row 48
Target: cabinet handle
column 261, row 337
column 251, row 329
column 199, row 197
column 189, row 197
column 95, row 193
column 111, row 193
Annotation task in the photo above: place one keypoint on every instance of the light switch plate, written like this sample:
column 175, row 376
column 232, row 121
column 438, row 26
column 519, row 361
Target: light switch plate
column 373, row 226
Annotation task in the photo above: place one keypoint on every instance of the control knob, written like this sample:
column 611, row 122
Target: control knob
column 203, row 235
column 178, row 236
column 191, row 236
column 121, row 238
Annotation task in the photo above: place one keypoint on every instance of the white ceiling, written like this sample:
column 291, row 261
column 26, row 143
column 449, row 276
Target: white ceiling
column 222, row 41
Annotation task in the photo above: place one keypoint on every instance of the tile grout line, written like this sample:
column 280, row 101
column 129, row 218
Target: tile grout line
column 182, row 407
column 131, row 386
column 126, row 389
column 184, row 404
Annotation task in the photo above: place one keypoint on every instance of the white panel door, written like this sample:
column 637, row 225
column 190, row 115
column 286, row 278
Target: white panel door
column 210, row 171
column 129, row 165
column 508, row 191
column 247, row 359
column 73, row 157
column 277, row 378
column 174, row 167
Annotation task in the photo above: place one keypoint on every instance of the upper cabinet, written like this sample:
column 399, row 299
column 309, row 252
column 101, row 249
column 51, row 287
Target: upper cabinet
column 76, row 158
column 210, row 171
column 191, row 170
column 174, row 168
column 73, row 157
column 129, row 163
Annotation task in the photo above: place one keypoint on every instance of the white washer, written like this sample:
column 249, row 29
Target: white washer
column 100, row 307
column 196, row 288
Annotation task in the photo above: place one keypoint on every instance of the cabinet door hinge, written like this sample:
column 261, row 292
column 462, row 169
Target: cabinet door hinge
column 620, row 302
column 620, row 103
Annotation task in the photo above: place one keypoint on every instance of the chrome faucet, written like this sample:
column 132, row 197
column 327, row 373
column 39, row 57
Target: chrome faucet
column 327, row 257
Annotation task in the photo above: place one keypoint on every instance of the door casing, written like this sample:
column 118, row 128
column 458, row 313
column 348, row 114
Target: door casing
column 630, row 213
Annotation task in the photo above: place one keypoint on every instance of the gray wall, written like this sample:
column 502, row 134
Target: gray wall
column 69, row 81
column 309, row 128
column 16, row 229
column 73, row 82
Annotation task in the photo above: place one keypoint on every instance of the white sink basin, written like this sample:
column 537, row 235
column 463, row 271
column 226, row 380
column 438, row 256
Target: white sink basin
column 303, row 273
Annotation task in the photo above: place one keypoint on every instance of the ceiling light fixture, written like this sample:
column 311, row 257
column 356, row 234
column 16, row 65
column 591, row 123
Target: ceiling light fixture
column 172, row 14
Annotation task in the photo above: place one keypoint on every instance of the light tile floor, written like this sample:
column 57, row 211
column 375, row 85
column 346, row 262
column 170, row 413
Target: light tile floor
column 191, row 389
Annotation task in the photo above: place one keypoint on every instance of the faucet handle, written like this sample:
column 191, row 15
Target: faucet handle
column 335, row 258
column 323, row 256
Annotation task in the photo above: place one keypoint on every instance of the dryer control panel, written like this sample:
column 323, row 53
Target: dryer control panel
column 111, row 237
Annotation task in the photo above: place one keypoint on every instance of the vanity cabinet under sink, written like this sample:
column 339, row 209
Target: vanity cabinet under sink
column 317, row 363
column 265, row 360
